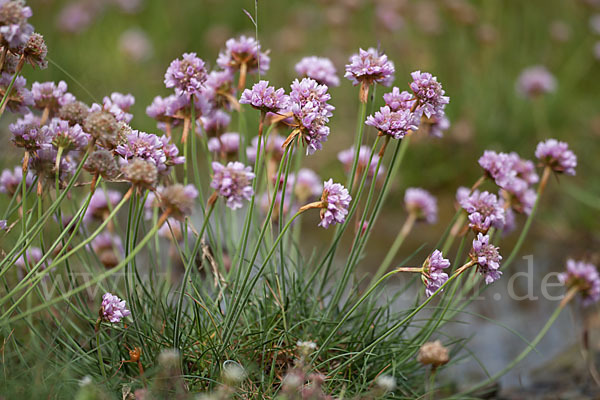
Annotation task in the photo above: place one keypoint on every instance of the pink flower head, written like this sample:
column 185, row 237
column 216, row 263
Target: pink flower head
column 336, row 201
column 487, row 257
column 113, row 308
column 393, row 123
column 50, row 95
column 397, row 100
column 585, row 277
column 243, row 50
column 233, row 182
column 370, row 67
column 265, row 98
column 433, row 272
column 11, row 179
column 557, row 156
column 535, row 81
column 228, row 144
column 422, row 204
column 186, row 75
column 307, row 184
column 346, row 157
column 429, row 94
column 484, row 211
column 214, row 123
column 321, row 69
column 65, row 136
column 99, row 204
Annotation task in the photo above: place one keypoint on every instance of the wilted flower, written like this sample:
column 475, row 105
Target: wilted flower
column 141, row 173
column 487, row 258
column 11, row 179
column 433, row 272
column 335, row 202
column 227, row 144
column 535, row 81
column 433, row 353
column 422, row 204
column 429, row 94
column 243, row 51
column 484, row 211
column 321, row 69
column 557, row 156
column 186, row 76
column 35, row 51
column 583, row 276
column 309, row 107
column 179, row 199
column 346, row 157
column 102, row 162
column 369, row 66
column 264, row 97
column 103, row 127
column 113, row 308
column 233, row 182
column 393, row 123
column 75, row 112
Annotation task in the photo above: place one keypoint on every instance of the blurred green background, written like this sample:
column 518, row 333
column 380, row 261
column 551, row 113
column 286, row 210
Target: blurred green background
column 476, row 48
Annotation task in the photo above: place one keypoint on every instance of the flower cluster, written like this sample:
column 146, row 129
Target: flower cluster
column 535, row 81
column 14, row 27
column 49, row 95
column 113, row 308
column 265, row 98
column 243, row 51
column 309, row 107
column 186, row 76
column 422, row 204
column 146, row 146
column 485, row 211
column 487, row 258
column 20, row 98
column 583, row 276
column 557, row 156
column 393, row 123
column 369, row 66
column 429, row 94
column 514, row 175
column 433, row 272
column 233, row 182
column 321, row 69
column 66, row 136
column 11, row 179
column 336, row 201
column 228, row 144
column 178, row 199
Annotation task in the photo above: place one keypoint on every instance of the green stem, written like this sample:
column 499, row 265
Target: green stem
column 100, row 359
column 360, row 128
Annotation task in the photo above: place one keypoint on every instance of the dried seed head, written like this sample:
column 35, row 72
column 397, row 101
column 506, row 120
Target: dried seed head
column 103, row 163
column 108, row 258
column 141, row 173
column 179, row 199
column 35, row 51
column 75, row 112
column 433, row 353
column 103, row 127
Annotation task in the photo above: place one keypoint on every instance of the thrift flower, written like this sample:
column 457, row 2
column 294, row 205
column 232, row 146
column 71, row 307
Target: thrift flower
column 28, row 134
column 228, row 144
column 557, row 156
column 19, row 98
column 11, row 179
column 393, row 123
column 14, row 27
column 429, row 94
column 397, row 100
column 487, row 258
column 264, row 97
column 113, row 308
column 65, row 136
column 484, row 211
column 99, row 204
column 243, row 51
column 49, row 95
column 186, row 75
column 346, row 157
column 585, row 277
column 233, row 182
column 421, row 203
column 335, row 202
column 368, row 67
column 320, row 69
column 214, row 123
column 535, row 81
column 433, row 272
column 179, row 199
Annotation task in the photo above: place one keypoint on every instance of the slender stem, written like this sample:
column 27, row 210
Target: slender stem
column 389, row 257
column 188, row 269
column 541, row 187
column 360, row 128
column 4, row 101
column 100, row 359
